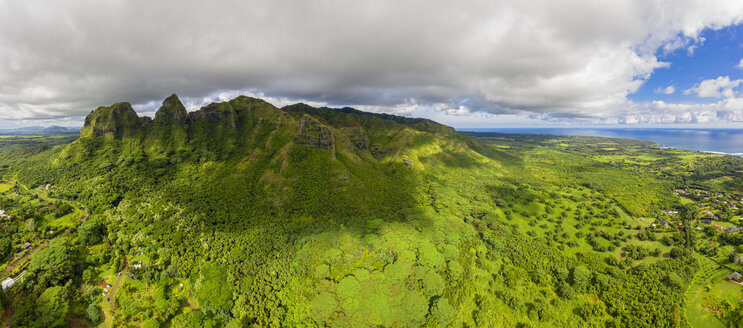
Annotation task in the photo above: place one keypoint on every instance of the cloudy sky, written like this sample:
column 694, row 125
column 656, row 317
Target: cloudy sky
column 464, row 63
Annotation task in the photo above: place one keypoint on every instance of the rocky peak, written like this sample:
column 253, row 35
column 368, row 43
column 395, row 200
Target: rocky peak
column 116, row 119
column 172, row 110
column 313, row 134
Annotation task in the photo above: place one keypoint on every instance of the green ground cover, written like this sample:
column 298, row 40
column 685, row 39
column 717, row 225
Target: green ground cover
column 314, row 217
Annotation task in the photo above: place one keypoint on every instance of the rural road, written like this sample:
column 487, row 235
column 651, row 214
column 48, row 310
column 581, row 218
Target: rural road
column 112, row 292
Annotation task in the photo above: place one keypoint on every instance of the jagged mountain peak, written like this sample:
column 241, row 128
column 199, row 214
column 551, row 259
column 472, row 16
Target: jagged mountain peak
column 172, row 110
column 112, row 121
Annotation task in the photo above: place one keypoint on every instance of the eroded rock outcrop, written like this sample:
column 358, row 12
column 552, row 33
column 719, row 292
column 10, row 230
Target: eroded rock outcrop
column 115, row 120
column 313, row 134
column 171, row 111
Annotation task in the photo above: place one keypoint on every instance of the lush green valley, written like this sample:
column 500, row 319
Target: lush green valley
column 242, row 214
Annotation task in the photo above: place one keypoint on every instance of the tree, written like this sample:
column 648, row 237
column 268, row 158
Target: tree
column 94, row 314
column 561, row 274
column 677, row 252
column 25, row 313
column 565, row 291
column 688, row 212
column 442, row 312
column 581, row 278
column 6, row 248
column 63, row 210
column 4, row 299
column 91, row 232
column 590, row 309
column 151, row 323
column 55, row 262
column 52, row 308
column 212, row 290
column 731, row 315
column 165, row 305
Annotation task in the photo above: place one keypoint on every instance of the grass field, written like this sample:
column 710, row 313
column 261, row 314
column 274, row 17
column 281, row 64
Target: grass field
column 709, row 276
column 4, row 187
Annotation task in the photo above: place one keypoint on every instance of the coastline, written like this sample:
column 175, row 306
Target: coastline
column 713, row 141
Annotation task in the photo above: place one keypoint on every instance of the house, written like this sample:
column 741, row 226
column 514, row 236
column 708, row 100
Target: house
column 26, row 245
column 664, row 223
column 137, row 265
column 709, row 214
column 108, row 285
column 735, row 276
column 20, row 254
column 733, row 229
column 2, row 213
column 707, row 221
column 7, row 283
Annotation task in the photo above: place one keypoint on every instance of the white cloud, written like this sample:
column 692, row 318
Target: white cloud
column 669, row 90
column 715, row 88
column 579, row 58
column 740, row 64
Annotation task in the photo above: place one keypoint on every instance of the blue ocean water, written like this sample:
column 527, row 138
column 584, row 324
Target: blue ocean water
column 728, row 141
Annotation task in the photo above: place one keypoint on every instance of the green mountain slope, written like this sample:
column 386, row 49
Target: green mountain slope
column 303, row 216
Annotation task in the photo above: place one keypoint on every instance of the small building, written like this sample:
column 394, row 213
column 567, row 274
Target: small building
column 735, row 276
column 137, row 265
column 108, row 285
column 7, row 283
column 664, row 223
column 19, row 254
column 733, row 229
column 26, row 245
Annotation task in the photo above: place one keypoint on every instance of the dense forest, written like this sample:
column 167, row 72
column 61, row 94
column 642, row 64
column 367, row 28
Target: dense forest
column 242, row 214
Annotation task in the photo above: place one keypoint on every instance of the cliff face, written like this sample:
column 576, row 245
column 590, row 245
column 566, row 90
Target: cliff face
column 114, row 121
column 247, row 126
column 311, row 133
column 171, row 111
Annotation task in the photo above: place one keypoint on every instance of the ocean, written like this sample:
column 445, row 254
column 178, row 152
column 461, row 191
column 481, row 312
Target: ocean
column 727, row 141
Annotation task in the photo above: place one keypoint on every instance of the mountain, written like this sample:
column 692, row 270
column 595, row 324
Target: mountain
column 279, row 150
column 40, row 130
column 243, row 214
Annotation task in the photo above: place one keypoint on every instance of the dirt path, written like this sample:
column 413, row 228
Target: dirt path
column 14, row 265
column 112, row 292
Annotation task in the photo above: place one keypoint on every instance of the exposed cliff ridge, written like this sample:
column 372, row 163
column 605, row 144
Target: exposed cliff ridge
column 172, row 110
column 225, row 127
column 114, row 121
